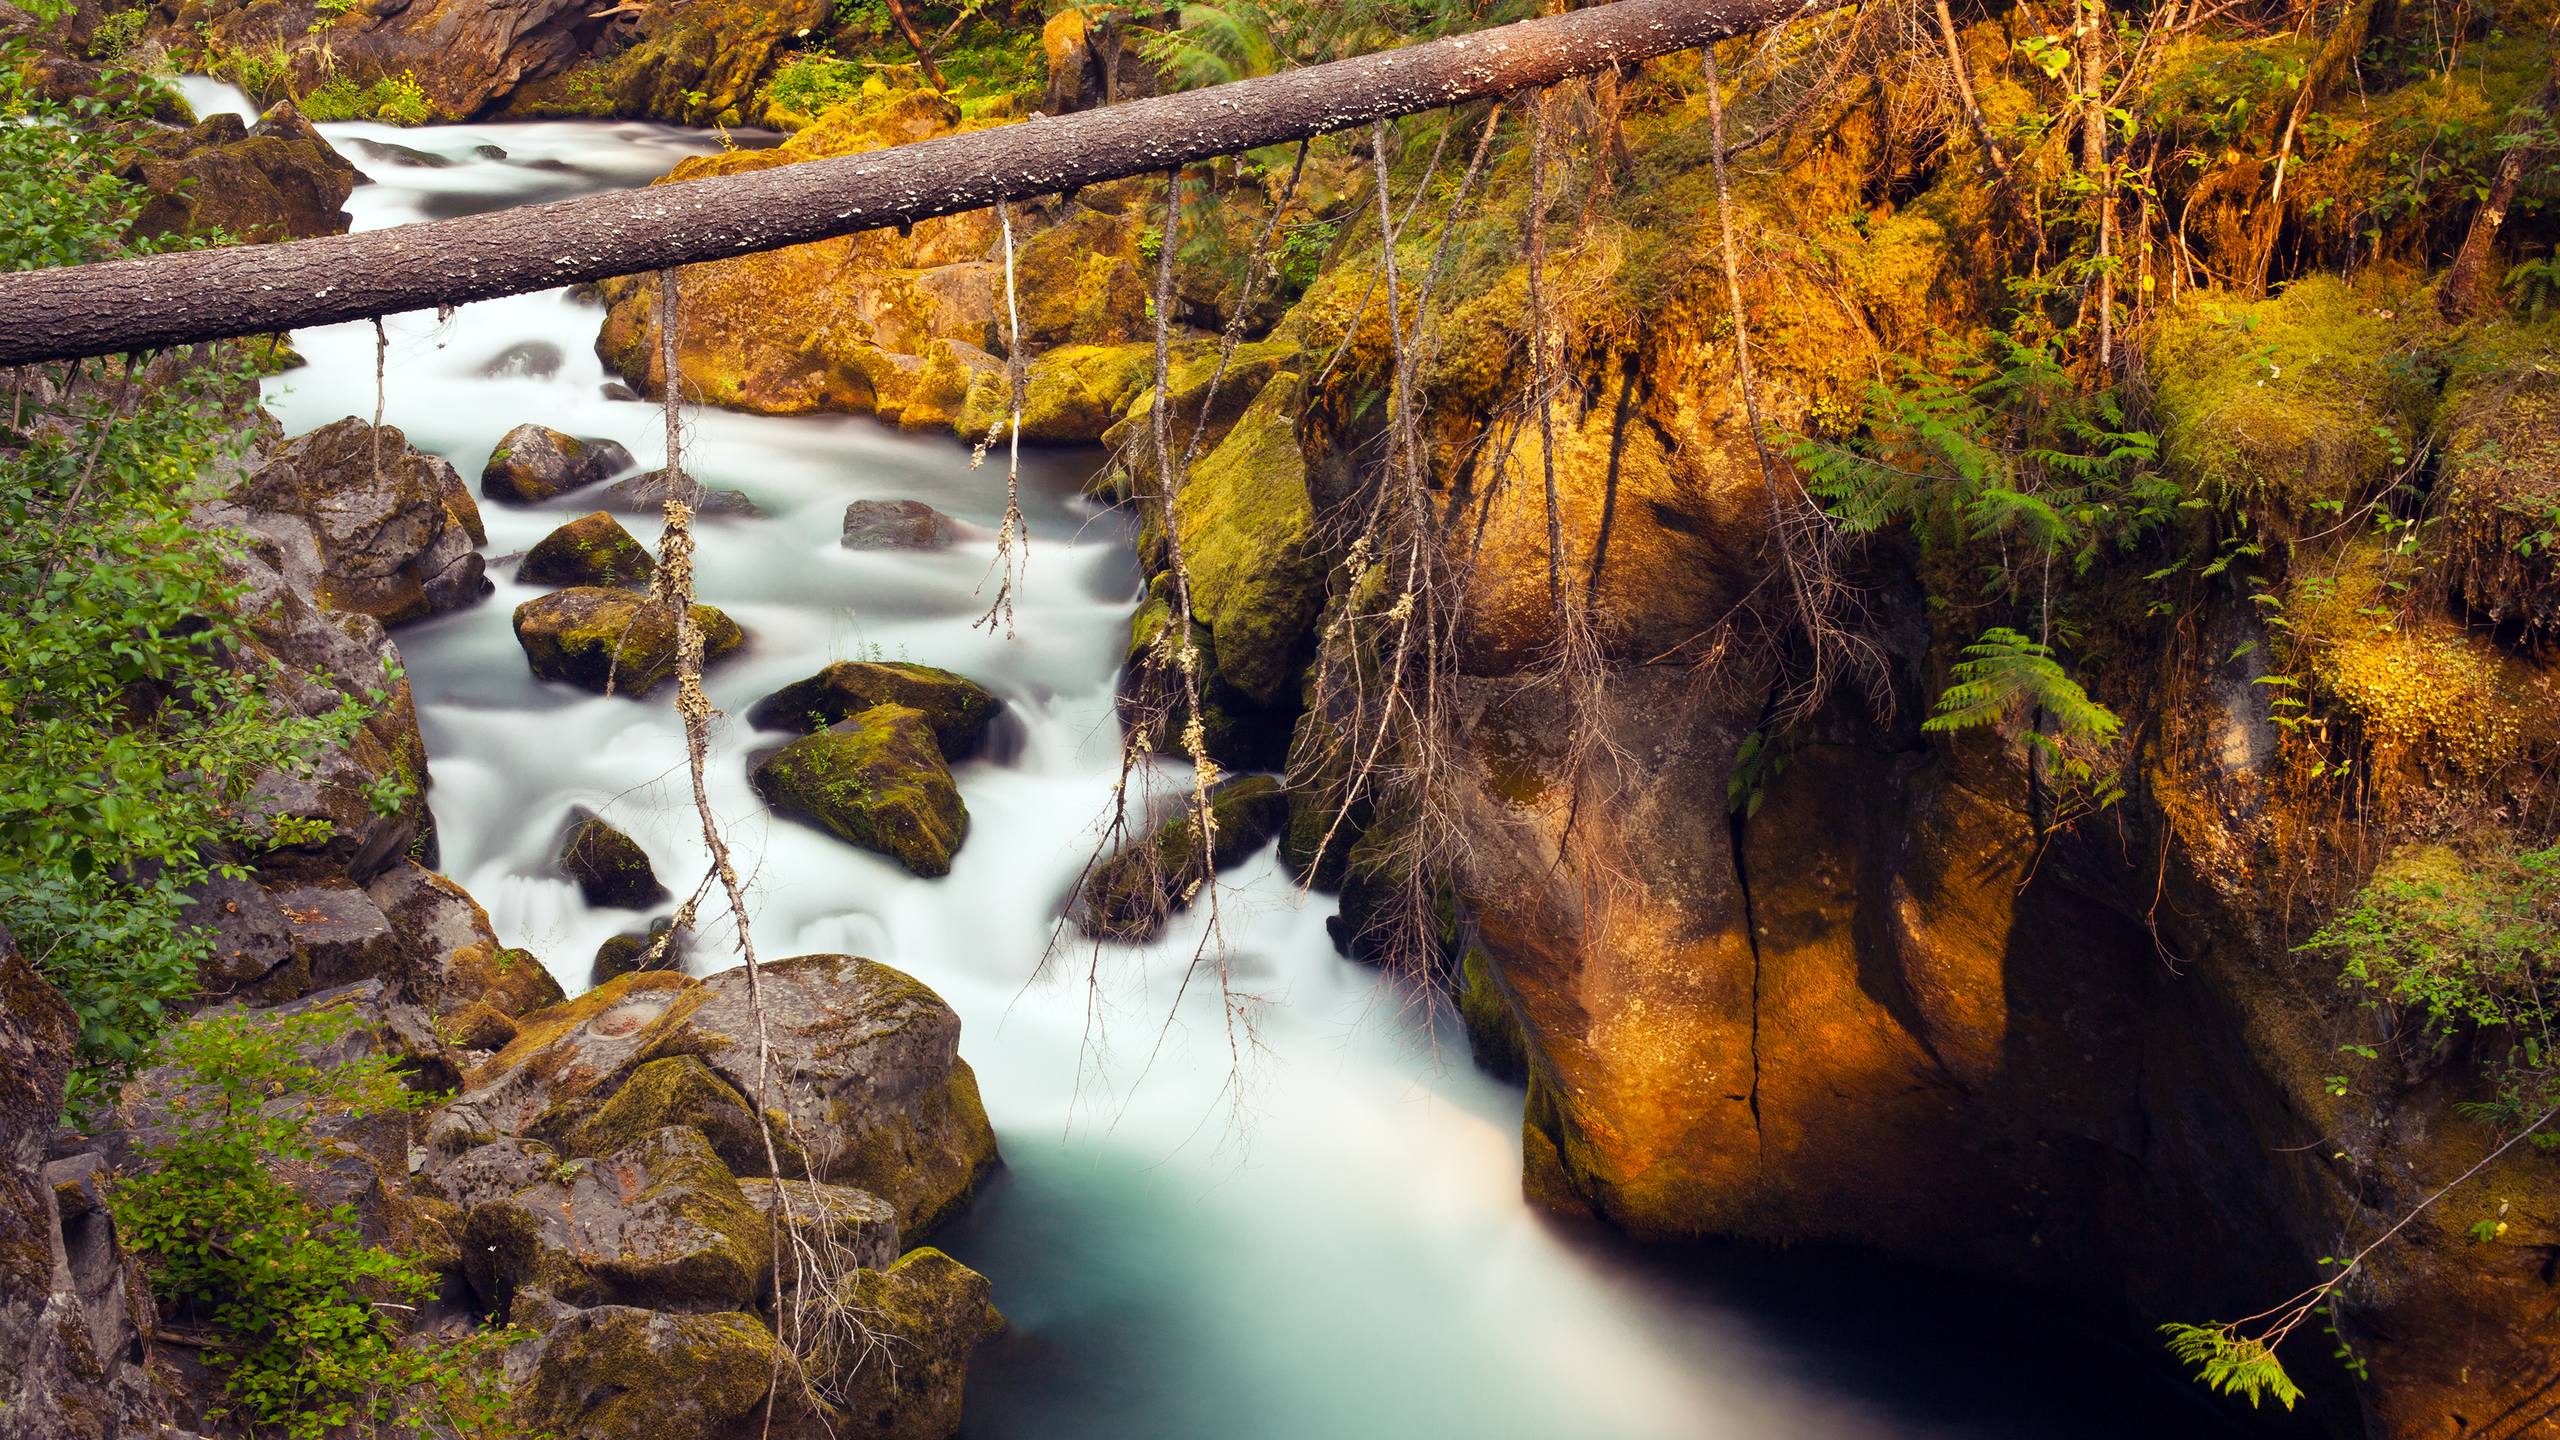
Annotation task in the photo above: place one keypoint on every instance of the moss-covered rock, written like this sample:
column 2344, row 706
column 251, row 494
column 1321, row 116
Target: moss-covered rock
column 617, row 1372
column 1129, row 895
column 609, row 866
column 877, row 780
column 534, row 463
column 855, row 1225
column 2311, row 397
column 1248, row 541
column 1493, row 1032
column 593, row 549
column 659, row 1222
column 865, row 1061
column 636, row 950
column 277, row 180
column 477, row 1025
column 646, row 494
column 959, row 709
column 933, row 1311
column 1073, row 393
column 678, row 1090
column 612, row 641
column 562, row 1052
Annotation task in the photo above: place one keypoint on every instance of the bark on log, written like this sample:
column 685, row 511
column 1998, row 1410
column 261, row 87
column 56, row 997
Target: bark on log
column 162, row 300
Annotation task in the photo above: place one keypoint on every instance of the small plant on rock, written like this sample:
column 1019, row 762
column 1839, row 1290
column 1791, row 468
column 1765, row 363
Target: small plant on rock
column 303, row 1307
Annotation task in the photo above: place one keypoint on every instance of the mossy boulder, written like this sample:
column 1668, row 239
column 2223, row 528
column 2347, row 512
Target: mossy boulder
column 636, row 950
column 659, row 1222
column 534, row 463
column 1493, row 1031
column 593, row 549
column 2290, row 403
column 840, row 1220
column 618, row 1372
column 1129, row 895
column 609, row 866
column 277, row 180
column 678, row 1090
column 1248, row 527
column 612, row 641
column 897, row 525
column 1074, row 393
column 395, row 524
column 865, row 1062
column 877, row 780
column 957, row 708
column 477, row 1025
column 933, row 1312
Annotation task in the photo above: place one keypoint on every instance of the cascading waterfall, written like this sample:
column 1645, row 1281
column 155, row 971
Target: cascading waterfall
column 1330, row 1243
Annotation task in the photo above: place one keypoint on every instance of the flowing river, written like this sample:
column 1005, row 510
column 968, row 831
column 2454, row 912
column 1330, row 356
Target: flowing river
column 1325, row 1242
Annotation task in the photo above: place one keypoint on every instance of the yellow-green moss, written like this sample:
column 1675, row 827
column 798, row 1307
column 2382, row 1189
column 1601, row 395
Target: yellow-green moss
column 1247, row 538
column 2315, row 396
column 877, row 780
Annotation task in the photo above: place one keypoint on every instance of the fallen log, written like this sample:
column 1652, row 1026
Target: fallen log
column 162, row 300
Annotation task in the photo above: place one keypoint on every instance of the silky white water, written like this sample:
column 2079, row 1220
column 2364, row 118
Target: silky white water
column 1323, row 1239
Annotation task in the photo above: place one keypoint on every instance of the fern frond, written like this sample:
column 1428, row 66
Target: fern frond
column 2230, row 1363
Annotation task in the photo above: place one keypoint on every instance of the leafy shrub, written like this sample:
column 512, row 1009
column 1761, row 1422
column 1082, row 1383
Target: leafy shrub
column 2469, row 947
column 301, row 1300
column 391, row 99
column 132, row 725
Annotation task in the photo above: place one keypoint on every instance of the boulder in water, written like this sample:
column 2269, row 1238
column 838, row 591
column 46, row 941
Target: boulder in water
column 609, row 866
column 959, row 709
column 279, row 180
column 534, row 463
column 395, row 525
column 1129, row 895
column 897, row 525
column 646, row 494
column 637, row 950
column 877, row 780
column 931, row 1312
column 593, row 549
column 612, row 641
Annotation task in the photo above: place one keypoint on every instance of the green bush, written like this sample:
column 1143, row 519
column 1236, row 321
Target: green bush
column 132, row 721
column 302, row 1302
column 391, row 99
column 2468, row 946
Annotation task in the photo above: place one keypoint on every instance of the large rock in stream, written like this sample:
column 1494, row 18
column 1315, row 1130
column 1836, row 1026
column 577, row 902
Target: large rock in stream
column 958, row 708
column 877, row 780
column 866, row 1072
column 613, row 641
column 534, row 463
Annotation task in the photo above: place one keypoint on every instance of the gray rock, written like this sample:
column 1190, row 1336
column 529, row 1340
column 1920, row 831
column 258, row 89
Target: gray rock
column 609, row 866
column 397, row 529
column 660, row 1222
column 897, row 525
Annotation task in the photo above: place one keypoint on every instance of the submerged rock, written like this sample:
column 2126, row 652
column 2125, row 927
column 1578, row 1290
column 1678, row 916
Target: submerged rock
column 396, row 526
column 959, row 709
column 646, row 494
column 534, row 463
column 593, row 549
column 897, row 525
column 1129, row 895
column 877, row 780
column 612, row 641
column 609, row 866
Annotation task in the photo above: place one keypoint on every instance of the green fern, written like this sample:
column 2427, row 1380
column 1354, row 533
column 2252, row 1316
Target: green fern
column 2230, row 1363
column 2005, row 673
